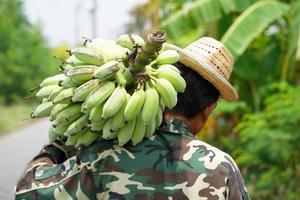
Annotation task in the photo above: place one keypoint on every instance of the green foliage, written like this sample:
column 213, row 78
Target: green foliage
column 225, row 107
column 190, row 19
column 250, row 24
column 24, row 57
column 294, row 29
column 15, row 116
column 270, row 141
column 265, row 144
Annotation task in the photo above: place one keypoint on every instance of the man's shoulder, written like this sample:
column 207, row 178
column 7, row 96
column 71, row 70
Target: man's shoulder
column 187, row 147
column 203, row 149
column 195, row 150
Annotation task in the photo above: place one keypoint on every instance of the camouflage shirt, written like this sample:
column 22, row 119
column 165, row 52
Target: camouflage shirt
column 172, row 164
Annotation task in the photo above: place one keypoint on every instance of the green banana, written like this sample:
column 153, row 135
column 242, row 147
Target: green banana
column 44, row 100
column 107, row 70
column 170, row 67
column 73, row 139
column 130, row 40
column 97, row 44
column 56, row 133
column 69, row 63
column 97, row 126
column 67, row 115
column 86, row 138
column 52, row 80
column 65, row 67
column 51, row 135
column 162, row 104
column 124, row 134
column 134, row 105
column 78, row 125
column 98, row 96
column 139, row 130
column 59, row 131
column 109, row 48
column 44, row 92
column 98, row 75
column 150, row 106
column 108, row 132
column 68, row 83
column 57, row 109
column 175, row 79
column 119, row 77
column 158, row 117
column 43, row 110
column 118, row 119
column 88, row 55
column 96, row 114
column 81, row 93
column 81, row 73
column 167, row 57
column 167, row 92
column 114, row 102
column 55, row 92
column 64, row 96
column 150, row 128
column 128, row 76
column 73, row 61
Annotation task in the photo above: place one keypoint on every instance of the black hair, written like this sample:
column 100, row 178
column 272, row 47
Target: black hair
column 199, row 93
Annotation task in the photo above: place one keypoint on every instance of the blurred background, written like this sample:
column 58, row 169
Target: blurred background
column 261, row 131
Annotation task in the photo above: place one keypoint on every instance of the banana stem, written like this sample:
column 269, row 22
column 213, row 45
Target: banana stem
column 34, row 89
column 153, row 78
column 147, row 85
column 151, row 83
column 139, row 86
column 149, row 51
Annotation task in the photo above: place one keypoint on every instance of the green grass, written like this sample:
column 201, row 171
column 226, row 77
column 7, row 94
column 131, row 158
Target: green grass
column 14, row 116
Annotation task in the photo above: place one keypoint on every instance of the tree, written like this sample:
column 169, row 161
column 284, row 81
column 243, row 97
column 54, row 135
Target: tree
column 24, row 57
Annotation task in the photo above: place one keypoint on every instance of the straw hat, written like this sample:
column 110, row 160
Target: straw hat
column 212, row 60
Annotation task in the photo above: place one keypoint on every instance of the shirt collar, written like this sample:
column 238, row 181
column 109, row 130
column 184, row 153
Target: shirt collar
column 176, row 126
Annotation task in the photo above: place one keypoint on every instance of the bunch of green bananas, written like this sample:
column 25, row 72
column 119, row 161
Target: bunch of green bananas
column 99, row 95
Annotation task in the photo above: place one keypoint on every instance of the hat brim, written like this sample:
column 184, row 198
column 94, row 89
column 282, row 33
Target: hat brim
column 226, row 90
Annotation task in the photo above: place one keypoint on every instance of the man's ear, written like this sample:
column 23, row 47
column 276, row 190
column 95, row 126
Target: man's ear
column 209, row 109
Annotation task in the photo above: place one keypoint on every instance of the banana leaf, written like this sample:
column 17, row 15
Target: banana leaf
column 241, row 5
column 251, row 23
column 191, row 17
column 298, row 47
column 228, row 6
column 210, row 10
column 189, row 37
column 294, row 31
column 178, row 23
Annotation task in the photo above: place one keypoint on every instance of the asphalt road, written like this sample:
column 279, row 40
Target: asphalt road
column 17, row 149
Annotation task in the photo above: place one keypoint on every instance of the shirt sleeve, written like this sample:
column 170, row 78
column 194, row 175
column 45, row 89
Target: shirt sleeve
column 235, row 183
column 51, row 175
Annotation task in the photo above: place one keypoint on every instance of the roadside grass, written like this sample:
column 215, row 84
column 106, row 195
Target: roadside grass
column 15, row 116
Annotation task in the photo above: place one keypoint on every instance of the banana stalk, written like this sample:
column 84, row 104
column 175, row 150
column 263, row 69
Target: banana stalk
column 148, row 52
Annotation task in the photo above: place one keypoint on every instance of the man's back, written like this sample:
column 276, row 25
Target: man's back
column 173, row 164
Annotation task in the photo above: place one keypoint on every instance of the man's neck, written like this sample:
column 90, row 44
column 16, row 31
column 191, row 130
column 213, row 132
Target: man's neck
column 193, row 123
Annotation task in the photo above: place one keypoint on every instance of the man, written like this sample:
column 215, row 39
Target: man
column 172, row 164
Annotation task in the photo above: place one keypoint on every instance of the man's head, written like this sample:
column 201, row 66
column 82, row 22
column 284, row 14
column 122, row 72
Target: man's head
column 206, row 65
column 197, row 101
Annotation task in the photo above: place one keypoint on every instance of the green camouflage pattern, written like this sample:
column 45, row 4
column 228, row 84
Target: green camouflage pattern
column 171, row 165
